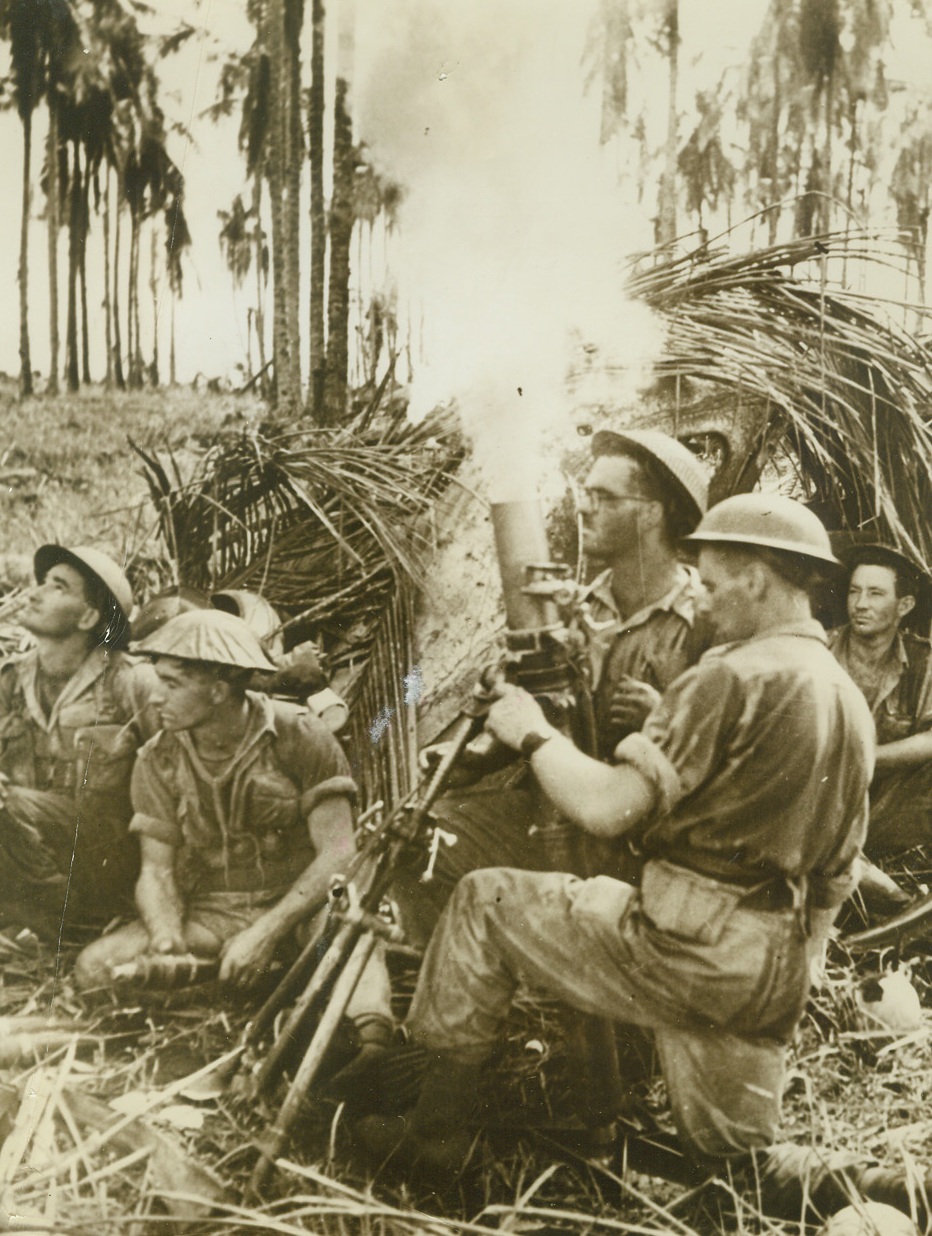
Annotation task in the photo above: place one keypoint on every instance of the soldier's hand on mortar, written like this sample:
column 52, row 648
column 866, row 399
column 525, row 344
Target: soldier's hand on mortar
column 246, row 956
column 514, row 715
column 631, row 703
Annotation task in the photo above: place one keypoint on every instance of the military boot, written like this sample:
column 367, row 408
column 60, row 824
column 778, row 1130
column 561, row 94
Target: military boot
column 433, row 1139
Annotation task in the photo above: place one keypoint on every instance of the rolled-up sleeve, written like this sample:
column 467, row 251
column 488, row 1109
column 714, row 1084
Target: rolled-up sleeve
column 684, row 738
column 154, row 810
column 324, row 768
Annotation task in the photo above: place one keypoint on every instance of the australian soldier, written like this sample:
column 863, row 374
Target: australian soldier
column 70, row 724
column 893, row 667
column 643, row 493
column 243, row 807
column 747, row 790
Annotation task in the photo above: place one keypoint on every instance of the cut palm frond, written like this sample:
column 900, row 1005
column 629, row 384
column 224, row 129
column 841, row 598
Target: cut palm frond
column 844, row 385
column 327, row 526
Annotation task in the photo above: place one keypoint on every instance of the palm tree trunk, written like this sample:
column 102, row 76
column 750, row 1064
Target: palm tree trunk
column 666, row 205
column 318, row 341
column 826, row 211
column 154, row 293
column 172, row 365
column 108, row 308
column 135, row 352
column 341, row 228
column 294, row 13
column 286, row 396
column 25, row 357
column 118, row 374
column 260, row 263
column 773, row 215
column 74, row 207
column 53, row 222
column 84, row 224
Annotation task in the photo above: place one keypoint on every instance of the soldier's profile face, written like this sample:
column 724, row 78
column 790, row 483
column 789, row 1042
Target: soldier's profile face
column 725, row 600
column 614, row 499
column 58, row 604
column 873, row 606
column 183, row 697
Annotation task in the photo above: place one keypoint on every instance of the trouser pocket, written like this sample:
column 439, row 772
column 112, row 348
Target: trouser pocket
column 685, row 905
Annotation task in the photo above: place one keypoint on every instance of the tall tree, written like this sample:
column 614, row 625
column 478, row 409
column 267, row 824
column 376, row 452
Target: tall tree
column 619, row 27
column 40, row 32
column 316, row 116
column 342, row 219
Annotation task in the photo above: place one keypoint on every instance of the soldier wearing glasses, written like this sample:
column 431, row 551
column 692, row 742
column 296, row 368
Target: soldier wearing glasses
column 643, row 493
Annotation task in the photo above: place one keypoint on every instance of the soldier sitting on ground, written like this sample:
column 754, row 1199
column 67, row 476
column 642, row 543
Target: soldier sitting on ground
column 893, row 668
column 71, row 720
column 243, row 807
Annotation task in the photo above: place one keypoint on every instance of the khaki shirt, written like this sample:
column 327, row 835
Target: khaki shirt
column 244, row 828
column 761, row 756
column 654, row 645
column 903, row 704
column 88, row 741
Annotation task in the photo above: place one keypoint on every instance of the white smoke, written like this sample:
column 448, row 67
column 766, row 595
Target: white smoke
column 513, row 229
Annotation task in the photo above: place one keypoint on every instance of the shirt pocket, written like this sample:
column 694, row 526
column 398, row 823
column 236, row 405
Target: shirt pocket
column 271, row 804
column 104, row 757
column 685, row 905
column 17, row 751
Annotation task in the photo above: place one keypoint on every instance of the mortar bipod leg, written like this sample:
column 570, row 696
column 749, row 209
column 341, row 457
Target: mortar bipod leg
column 277, row 1137
column 335, row 956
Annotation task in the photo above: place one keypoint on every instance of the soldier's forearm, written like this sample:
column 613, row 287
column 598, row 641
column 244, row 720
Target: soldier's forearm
column 906, row 752
column 161, row 910
column 606, row 800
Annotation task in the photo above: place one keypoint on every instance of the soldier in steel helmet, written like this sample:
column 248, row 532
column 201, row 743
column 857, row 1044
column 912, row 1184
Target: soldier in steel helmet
column 747, row 791
column 643, row 493
column 243, row 807
column 71, row 718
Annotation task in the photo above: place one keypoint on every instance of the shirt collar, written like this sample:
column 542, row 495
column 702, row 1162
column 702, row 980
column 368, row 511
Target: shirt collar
column 840, row 642
column 680, row 599
column 260, row 721
column 808, row 628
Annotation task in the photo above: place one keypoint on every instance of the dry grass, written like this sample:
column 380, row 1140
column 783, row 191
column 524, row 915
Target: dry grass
column 65, row 1167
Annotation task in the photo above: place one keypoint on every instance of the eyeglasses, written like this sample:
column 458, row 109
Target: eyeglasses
column 602, row 497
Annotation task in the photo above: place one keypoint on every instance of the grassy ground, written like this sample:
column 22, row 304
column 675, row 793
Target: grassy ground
column 67, row 472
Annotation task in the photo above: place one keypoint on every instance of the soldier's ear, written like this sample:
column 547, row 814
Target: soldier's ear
column 90, row 619
column 219, row 691
column 905, row 605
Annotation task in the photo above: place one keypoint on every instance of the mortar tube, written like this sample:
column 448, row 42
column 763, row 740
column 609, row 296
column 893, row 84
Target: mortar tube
column 520, row 541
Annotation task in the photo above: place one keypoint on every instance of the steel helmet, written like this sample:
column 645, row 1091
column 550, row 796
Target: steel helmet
column 675, row 461
column 767, row 521
column 261, row 618
column 89, row 561
column 169, row 603
column 207, row 635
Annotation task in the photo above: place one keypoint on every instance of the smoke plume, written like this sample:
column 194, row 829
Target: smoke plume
column 513, row 229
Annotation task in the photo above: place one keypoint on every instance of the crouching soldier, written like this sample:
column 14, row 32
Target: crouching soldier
column 747, row 791
column 243, row 807
column 70, row 724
